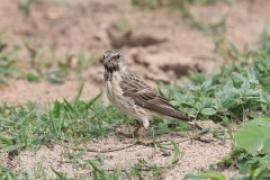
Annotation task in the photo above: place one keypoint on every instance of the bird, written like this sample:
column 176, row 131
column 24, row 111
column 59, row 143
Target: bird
column 131, row 95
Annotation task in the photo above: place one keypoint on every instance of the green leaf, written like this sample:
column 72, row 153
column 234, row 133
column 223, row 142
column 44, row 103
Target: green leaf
column 59, row 175
column 213, row 175
column 78, row 96
column 206, row 175
column 12, row 148
column 254, row 136
column 32, row 77
column 177, row 153
column 208, row 111
column 7, row 174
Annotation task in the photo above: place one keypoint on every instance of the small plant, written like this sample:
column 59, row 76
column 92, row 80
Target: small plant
column 238, row 92
column 254, row 137
column 212, row 175
column 146, row 3
column 6, row 174
column 8, row 60
column 262, row 59
column 250, row 156
column 251, row 153
column 25, row 6
column 27, row 127
column 227, row 95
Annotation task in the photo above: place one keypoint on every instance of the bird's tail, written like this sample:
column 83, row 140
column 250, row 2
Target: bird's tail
column 179, row 116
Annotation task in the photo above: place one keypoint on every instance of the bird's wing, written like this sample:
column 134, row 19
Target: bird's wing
column 144, row 96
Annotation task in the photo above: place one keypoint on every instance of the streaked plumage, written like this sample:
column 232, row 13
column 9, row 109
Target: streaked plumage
column 131, row 95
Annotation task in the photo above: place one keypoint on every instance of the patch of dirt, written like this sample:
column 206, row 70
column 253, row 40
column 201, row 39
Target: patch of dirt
column 72, row 27
column 119, row 38
column 47, row 159
column 3, row 158
column 22, row 91
column 245, row 19
column 82, row 26
column 195, row 156
column 166, row 66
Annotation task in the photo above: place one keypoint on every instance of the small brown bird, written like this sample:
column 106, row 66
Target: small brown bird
column 133, row 96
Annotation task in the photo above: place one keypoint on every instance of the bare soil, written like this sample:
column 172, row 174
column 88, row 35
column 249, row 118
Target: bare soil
column 195, row 155
column 157, row 44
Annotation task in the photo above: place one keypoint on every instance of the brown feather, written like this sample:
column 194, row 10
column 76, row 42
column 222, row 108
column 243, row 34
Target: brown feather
column 144, row 96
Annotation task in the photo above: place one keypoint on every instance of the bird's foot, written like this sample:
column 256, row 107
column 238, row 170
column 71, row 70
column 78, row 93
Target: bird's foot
column 143, row 141
column 136, row 131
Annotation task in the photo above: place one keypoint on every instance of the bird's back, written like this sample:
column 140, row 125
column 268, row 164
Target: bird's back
column 147, row 98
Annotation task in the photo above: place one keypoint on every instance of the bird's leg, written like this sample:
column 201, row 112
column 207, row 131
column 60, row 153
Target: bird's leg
column 138, row 127
column 145, row 123
column 141, row 138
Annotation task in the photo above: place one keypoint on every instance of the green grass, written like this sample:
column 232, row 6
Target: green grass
column 234, row 94
column 6, row 174
column 7, row 63
column 29, row 127
column 49, row 69
column 250, row 158
column 26, row 127
column 239, row 92
column 249, row 89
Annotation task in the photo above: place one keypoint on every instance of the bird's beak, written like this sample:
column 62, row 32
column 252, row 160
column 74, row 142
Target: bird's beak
column 101, row 60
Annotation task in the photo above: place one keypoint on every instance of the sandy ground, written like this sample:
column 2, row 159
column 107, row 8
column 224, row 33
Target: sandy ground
column 72, row 27
column 172, row 50
column 195, row 155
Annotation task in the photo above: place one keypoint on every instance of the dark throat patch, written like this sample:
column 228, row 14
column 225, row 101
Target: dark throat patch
column 109, row 70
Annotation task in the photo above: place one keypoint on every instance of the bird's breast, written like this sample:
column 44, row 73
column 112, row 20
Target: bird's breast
column 115, row 95
column 113, row 88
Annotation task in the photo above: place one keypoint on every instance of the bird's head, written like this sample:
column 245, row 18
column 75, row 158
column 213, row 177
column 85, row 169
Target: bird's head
column 112, row 61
